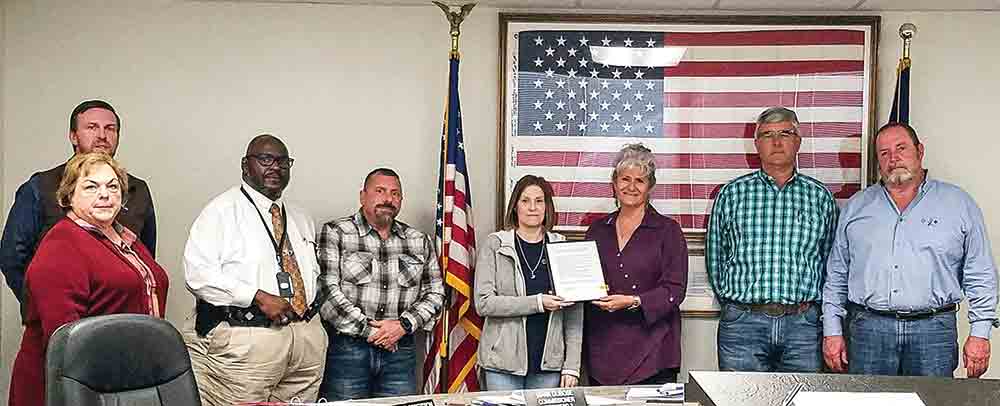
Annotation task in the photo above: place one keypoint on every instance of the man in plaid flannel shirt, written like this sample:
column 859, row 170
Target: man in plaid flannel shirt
column 382, row 282
column 768, row 239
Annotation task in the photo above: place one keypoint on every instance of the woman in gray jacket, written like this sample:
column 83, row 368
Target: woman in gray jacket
column 531, row 338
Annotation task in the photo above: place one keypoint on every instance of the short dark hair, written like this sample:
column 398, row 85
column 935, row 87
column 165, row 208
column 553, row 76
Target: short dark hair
column 93, row 104
column 909, row 131
column 510, row 219
column 380, row 171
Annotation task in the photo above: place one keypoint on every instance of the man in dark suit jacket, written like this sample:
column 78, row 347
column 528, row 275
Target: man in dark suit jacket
column 94, row 126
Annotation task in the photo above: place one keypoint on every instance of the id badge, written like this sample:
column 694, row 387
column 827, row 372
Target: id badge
column 285, row 285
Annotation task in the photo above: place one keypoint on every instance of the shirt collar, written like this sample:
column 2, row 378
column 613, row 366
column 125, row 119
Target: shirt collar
column 364, row 228
column 128, row 237
column 770, row 179
column 648, row 217
column 262, row 202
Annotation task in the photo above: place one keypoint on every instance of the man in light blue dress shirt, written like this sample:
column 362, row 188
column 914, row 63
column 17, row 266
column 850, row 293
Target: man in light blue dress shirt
column 906, row 252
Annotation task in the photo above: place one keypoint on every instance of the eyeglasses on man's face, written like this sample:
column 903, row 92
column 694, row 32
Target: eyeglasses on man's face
column 780, row 134
column 269, row 160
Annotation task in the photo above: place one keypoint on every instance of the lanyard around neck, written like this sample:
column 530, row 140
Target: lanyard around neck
column 284, row 227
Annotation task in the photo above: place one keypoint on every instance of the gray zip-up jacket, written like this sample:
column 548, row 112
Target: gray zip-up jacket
column 499, row 290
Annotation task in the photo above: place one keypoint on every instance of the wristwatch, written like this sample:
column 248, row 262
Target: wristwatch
column 636, row 302
column 407, row 327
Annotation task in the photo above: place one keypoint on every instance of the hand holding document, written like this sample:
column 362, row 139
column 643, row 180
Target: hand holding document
column 576, row 271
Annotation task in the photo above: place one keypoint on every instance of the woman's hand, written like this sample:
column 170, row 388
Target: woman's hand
column 613, row 303
column 552, row 303
column 568, row 381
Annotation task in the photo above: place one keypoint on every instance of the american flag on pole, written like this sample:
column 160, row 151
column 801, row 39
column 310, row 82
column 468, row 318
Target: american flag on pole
column 569, row 115
column 455, row 339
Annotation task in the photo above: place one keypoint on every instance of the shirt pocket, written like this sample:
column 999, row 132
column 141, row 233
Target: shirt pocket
column 409, row 268
column 356, row 268
column 944, row 238
column 809, row 221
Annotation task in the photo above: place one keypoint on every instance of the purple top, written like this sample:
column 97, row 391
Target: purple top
column 628, row 346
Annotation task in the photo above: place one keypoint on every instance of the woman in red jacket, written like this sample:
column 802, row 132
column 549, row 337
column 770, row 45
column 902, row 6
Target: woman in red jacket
column 86, row 265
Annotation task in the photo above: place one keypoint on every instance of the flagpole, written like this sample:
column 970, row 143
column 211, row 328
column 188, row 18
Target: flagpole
column 906, row 32
column 455, row 19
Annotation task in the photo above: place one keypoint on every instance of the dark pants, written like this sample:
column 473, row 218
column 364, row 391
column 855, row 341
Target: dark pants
column 358, row 370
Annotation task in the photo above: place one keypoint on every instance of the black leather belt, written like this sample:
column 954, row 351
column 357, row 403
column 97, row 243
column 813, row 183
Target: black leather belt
column 904, row 315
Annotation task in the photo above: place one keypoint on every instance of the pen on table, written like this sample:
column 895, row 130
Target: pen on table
column 791, row 395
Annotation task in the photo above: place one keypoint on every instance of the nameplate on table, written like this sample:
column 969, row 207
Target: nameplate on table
column 555, row 397
column 423, row 402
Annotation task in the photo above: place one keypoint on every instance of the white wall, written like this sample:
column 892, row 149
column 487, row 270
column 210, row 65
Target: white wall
column 3, row 188
column 353, row 87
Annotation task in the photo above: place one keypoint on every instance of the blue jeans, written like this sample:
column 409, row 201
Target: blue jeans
column 502, row 381
column 882, row 345
column 757, row 342
column 358, row 370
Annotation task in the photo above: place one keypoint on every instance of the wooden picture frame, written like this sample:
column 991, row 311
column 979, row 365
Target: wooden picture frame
column 569, row 100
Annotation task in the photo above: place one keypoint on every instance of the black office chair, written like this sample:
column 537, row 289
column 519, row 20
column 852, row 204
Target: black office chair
column 121, row 359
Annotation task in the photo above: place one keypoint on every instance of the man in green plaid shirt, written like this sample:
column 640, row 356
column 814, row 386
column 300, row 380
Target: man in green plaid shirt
column 768, row 239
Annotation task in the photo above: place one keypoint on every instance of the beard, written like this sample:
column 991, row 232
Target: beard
column 899, row 176
column 384, row 215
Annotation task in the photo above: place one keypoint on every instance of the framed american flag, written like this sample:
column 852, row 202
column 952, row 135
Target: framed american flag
column 575, row 88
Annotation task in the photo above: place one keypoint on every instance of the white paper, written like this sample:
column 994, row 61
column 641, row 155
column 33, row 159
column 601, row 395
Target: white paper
column 576, row 271
column 856, row 399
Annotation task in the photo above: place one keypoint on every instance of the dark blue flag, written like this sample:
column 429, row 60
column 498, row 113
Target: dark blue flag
column 901, row 98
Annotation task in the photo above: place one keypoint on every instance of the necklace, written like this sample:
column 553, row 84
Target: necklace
column 541, row 255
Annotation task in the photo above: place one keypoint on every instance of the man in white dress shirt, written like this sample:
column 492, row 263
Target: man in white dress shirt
column 250, row 262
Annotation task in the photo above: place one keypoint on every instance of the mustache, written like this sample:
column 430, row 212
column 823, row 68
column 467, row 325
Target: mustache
column 386, row 205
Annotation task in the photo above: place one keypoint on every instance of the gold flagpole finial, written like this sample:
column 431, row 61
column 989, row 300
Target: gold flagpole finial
column 906, row 32
column 455, row 18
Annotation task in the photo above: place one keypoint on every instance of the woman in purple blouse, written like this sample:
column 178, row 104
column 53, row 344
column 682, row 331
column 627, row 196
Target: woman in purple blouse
column 633, row 335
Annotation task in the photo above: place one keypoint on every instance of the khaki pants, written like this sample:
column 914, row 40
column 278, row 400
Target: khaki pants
column 256, row 364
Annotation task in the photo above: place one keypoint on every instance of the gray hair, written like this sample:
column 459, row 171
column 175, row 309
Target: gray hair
column 777, row 114
column 636, row 156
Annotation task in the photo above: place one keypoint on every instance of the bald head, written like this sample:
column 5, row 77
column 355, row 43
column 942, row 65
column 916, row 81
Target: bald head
column 257, row 142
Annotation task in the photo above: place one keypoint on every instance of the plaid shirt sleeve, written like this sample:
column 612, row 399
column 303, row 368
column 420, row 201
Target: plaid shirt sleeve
column 714, row 251
column 424, row 311
column 338, row 309
column 826, row 244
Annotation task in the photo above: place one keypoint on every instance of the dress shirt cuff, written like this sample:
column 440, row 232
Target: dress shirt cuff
column 570, row 372
column 981, row 328
column 366, row 330
column 541, row 305
column 833, row 325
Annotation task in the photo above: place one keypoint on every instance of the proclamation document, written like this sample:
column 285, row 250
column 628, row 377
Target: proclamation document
column 576, row 271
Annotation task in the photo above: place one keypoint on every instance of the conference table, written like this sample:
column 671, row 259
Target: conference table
column 713, row 388
column 466, row 398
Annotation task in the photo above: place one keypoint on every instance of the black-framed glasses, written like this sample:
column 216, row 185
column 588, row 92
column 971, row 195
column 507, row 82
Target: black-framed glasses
column 783, row 134
column 269, row 160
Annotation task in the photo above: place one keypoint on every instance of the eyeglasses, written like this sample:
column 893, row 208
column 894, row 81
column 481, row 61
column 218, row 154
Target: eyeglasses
column 269, row 160
column 783, row 134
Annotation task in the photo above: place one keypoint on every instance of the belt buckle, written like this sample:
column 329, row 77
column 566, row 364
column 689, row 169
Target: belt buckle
column 911, row 314
column 774, row 310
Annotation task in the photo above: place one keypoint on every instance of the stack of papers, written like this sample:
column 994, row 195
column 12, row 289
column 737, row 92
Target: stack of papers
column 668, row 392
column 516, row 398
